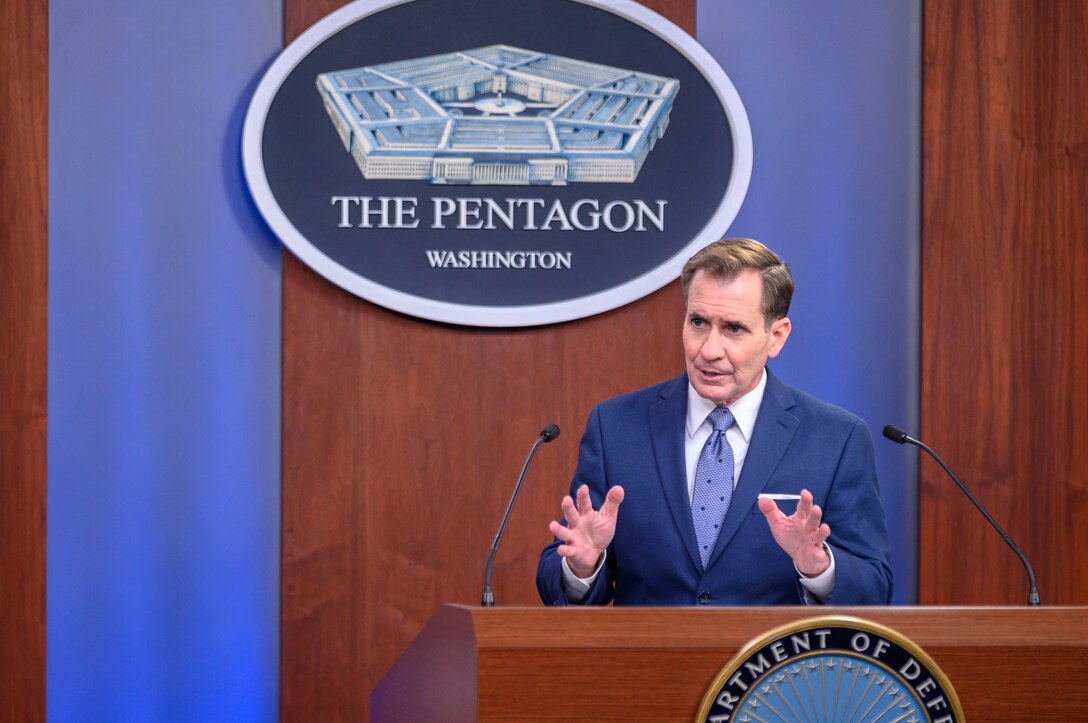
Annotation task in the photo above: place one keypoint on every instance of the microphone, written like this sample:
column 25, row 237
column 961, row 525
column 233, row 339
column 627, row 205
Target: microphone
column 898, row 436
column 546, row 435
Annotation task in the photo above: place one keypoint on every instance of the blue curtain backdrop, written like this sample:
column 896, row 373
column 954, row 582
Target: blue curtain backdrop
column 164, row 349
column 833, row 93
column 164, row 339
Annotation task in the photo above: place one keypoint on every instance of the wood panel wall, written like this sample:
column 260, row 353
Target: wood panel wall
column 24, row 49
column 402, row 440
column 1005, row 297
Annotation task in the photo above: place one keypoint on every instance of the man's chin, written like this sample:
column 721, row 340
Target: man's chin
column 716, row 393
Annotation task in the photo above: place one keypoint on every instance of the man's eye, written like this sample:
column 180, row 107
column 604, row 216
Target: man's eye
column 735, row 328
column 697, row 322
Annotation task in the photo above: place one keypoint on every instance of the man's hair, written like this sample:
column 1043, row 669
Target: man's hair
column 726, row 259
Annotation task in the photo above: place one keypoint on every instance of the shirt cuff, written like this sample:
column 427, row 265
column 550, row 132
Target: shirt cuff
column 818, row 589
column 576, row 588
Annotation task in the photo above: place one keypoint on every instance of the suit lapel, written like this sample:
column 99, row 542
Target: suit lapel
column 667, row 432
column 775, row 427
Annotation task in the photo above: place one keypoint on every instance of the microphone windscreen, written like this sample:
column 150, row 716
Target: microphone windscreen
column 550, row 432
column 895, row 434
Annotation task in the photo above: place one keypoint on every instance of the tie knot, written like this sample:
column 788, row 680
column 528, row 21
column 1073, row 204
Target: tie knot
column 721, row 418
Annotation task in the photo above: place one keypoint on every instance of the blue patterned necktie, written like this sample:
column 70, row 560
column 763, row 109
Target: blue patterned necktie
column 713, row 484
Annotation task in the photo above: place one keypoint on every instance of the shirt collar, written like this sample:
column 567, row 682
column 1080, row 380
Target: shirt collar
column 745, row 410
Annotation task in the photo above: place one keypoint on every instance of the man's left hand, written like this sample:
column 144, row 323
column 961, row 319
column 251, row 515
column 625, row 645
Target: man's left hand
column 801, row 534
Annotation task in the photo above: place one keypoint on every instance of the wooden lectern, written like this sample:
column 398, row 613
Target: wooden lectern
column 656, row 664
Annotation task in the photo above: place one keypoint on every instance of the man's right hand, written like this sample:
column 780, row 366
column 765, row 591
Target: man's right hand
column 588, row 531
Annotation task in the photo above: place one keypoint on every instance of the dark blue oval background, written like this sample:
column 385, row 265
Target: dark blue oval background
column 306, row 164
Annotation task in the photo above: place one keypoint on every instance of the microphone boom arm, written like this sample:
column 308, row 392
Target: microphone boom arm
column 546, row 435
column 899, row 436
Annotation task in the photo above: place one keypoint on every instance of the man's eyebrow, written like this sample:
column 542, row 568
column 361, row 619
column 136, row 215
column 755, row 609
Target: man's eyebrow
column 695, row 313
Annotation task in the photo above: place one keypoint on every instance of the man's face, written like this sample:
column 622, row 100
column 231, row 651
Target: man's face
column 725, row 340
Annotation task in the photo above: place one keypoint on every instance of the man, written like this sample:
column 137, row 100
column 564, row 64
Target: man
column 723, row 486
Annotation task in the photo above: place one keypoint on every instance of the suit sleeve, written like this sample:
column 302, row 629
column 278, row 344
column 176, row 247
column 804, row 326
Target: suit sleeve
column 591, row 472
column 859, row 535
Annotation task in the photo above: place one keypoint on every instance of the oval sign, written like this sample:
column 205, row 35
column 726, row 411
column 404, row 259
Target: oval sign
column 497, row 164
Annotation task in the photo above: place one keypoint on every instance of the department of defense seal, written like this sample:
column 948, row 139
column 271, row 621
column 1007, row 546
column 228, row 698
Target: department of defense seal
column 831, row 669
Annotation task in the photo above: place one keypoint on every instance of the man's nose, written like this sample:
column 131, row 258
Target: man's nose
column 713, row 348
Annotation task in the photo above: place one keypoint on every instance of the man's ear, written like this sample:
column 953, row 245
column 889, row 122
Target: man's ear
column 780, row 331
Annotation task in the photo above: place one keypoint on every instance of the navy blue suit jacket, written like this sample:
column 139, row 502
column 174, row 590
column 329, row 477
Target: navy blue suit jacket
column 799, row 442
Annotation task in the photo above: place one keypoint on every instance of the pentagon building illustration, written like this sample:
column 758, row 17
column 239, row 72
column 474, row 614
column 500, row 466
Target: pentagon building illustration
column 498, row 115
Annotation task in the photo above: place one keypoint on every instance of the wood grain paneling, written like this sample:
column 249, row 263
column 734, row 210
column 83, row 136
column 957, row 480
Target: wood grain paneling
column 402, row 440
column 24, row 42
column 1004, row 319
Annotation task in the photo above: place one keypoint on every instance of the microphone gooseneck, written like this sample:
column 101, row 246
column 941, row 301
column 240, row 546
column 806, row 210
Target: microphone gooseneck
column 898, row 436
column 546, row 435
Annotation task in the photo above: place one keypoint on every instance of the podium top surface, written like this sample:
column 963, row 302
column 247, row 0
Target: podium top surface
column 690, row 627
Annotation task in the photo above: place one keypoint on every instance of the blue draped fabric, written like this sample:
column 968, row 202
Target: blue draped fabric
column 164, row 349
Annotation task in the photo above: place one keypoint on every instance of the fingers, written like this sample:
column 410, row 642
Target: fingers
column 585, row 505
column 806, row 521
column 807, row 512
column 815, row 525
column 767, row 507
column 612, row 502
column 800, row 535
column 804, row 505
column 570, row 514
column 814, row 530
column 585, row 528
column 560, row 532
